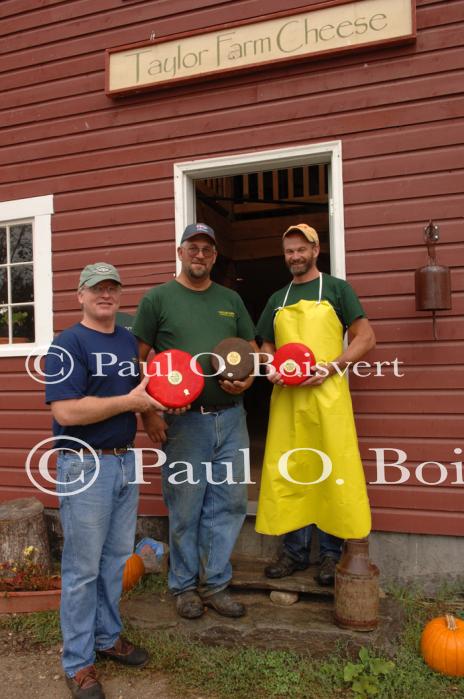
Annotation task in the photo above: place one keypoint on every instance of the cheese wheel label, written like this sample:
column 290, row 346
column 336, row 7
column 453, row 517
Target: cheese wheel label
column 175, row 378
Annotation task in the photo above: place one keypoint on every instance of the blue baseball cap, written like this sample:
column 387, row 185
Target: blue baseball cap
column 198, row 229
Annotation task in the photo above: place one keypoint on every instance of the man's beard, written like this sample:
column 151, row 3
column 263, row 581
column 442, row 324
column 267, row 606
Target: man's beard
column 301, row 268
column 197, row 273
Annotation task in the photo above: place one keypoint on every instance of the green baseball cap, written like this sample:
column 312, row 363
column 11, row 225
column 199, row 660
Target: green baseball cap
column 98, row 272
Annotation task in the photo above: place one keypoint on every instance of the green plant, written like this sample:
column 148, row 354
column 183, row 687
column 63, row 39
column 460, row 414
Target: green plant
column 365, row 676
column 17, row 317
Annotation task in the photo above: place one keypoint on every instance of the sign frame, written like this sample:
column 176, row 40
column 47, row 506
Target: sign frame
column 262, row 65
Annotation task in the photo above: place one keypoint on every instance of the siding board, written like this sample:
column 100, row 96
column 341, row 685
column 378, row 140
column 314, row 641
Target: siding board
column 339, row 102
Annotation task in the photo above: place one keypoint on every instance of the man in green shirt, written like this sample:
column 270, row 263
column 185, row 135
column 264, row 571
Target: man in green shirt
column 316, row 415
column 207, row 508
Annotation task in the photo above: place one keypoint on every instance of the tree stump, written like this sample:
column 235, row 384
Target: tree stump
column 22, row 524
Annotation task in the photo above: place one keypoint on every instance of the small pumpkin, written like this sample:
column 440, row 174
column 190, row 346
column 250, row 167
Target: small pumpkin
column 442, row 645
column 133, row 571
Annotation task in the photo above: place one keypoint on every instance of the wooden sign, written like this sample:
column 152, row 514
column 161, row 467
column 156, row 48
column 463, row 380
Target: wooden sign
column 343, row 26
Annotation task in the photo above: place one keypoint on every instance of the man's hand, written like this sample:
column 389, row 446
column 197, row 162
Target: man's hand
column 273, row 375
column 316, row 379
column 235, row 388
column 319, row 376
column 140, row 401
column 155, row 426
column 178, row 411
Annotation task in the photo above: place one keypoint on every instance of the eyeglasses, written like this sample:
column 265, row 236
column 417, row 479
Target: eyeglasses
column 207, row 251
column 103, row 288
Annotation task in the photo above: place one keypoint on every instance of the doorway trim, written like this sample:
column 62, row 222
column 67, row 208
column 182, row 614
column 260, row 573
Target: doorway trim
column 257, row 161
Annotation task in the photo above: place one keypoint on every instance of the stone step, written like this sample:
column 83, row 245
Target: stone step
column 248, row 573
column 307, row 626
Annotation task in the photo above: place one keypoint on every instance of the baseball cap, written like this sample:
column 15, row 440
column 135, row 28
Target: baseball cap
column 309, row 233
column 197, row 229
column 98, row 272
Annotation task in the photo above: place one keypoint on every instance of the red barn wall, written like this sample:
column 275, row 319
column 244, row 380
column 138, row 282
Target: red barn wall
column 398, row 112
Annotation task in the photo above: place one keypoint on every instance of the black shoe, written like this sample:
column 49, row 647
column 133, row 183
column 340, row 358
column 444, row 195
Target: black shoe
column 125, row 653
column 189, row 605
column 283, row 566
column 326, row 575
column 84, row 684
column 223, row 604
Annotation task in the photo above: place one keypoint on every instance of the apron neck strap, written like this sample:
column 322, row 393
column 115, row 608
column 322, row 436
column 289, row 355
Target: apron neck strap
column 286, row 294
column 290, row 286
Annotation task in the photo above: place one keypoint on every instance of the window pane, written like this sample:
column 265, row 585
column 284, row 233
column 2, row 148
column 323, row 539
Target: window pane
column 298, row 187
column 4, row 322
column 314, row 179
column 238, row 188
column 23, row 323
column 22, row 283
column 21, row 243
column 253, row 186
column 268, row 189
column 3, row 285
column 3, row 259
column 283, row 184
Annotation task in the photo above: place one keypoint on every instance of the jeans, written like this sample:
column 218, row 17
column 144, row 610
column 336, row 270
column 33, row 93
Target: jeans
column 298, row 544
column 205, row 517
column 99, row 530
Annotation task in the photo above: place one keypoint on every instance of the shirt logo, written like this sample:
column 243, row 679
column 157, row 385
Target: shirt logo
column 227, row 314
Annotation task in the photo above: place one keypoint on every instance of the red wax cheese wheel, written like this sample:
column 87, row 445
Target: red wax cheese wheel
column 173, row 380
column 294, row 362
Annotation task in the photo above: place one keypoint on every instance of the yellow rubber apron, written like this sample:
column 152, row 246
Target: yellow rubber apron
column 318, row 422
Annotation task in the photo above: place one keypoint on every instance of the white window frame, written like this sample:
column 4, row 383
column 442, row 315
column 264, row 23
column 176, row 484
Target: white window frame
column 39, row 211
column 310, row 154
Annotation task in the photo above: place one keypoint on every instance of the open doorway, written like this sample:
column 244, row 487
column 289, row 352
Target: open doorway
column 250, row 200
column 249, row 212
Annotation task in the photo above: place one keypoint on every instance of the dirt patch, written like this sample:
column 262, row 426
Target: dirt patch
column 35, row 672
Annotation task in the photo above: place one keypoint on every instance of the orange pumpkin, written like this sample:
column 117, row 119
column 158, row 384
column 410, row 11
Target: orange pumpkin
column 133, row 571
column 442, row 645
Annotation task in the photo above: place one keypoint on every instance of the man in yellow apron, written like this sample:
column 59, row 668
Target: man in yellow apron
column 312, row 472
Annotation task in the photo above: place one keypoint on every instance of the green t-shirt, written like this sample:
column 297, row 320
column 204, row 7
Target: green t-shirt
column 171, row 316
column 125, row 320
column 336, row 291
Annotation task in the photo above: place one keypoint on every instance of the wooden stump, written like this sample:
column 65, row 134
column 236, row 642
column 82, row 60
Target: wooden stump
column 22, row 524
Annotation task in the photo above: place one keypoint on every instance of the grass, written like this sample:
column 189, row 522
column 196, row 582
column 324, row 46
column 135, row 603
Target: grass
column 41, row 627
column 221, row 672
column 156, row 584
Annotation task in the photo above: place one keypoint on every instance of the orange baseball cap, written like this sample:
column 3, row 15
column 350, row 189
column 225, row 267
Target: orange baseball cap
column 309, row 233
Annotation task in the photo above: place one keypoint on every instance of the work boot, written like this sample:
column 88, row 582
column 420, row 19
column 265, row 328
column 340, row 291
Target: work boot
column 84, row 684
column 189, row 605
column 326, row 575
column 125, row 653
column 223, row 604
column 283, row 566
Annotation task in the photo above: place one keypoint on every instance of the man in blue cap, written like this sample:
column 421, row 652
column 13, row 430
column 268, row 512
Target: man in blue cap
column 193, row 313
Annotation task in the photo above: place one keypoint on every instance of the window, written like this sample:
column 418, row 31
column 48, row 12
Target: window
column 26, row 320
